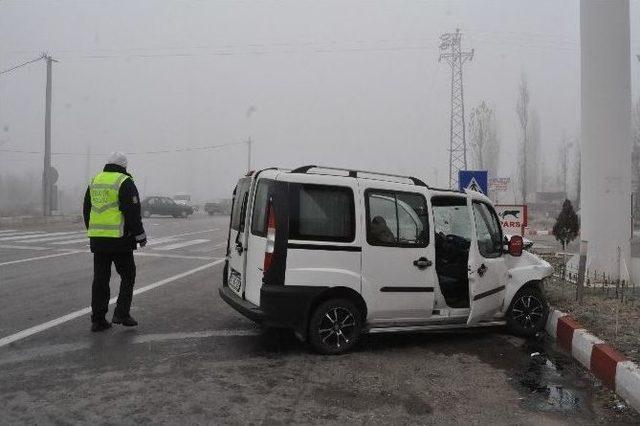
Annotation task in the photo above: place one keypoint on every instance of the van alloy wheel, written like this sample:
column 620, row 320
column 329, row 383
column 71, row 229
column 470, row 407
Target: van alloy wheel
column 335, row 326
column 527, row 311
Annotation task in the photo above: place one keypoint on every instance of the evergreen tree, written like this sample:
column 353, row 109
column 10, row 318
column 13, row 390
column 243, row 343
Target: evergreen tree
column 567, row 225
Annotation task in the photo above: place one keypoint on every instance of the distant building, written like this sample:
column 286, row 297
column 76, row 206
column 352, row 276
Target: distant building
column 546, row 205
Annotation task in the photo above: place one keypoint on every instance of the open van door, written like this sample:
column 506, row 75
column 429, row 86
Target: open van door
column 237, row 242
column 487, row 266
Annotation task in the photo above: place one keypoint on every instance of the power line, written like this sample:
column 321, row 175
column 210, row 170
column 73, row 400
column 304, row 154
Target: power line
column 163, row 151
column 22, row 65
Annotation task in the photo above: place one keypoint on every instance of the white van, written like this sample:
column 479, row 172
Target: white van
column 333, row 253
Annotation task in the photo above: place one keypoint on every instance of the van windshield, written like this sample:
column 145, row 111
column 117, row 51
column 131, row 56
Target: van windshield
column 238, row 196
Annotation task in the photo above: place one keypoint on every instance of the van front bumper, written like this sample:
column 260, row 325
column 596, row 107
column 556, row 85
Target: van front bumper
column 281, row 306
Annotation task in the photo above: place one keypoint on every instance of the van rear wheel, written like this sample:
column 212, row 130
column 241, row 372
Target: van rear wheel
column 528, row 312
column 335, row 326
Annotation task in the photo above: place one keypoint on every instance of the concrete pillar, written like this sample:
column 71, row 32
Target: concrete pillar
column 605, row 133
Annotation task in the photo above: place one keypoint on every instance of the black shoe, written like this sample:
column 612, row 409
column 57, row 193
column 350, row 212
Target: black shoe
column 100, row 325
column 127, row 321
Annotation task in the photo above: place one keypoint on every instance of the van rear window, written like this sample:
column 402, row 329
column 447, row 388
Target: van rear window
column 259, row 218
column 239, row 201
column 321, row 213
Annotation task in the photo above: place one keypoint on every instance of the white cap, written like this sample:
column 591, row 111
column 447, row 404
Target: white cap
column 118, row 158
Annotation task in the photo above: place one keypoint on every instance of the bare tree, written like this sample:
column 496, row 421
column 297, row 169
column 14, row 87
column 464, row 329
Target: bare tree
column 483, row 138
column 563, row 164
column 522, row 109
column 532, row 154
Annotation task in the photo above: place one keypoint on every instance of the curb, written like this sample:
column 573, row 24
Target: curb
column 607, row 364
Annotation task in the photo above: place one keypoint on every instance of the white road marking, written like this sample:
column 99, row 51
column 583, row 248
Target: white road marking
column 146, row 338
column 173, row 256
column 152, row 241
column 16, row 247
column 7, row 231
column 55, row 238
column 73, row 315
column 194, row 233
column 183, row 244
column 38, row 235
column 155, row 241
column 79, row 240
column 40, row 257
column 19, row 235
column 63, row 348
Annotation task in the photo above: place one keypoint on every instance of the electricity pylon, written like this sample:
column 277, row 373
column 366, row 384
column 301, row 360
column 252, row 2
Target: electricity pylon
column 451, row 52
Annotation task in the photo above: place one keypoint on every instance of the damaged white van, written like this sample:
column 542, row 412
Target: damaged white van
column 333, row 253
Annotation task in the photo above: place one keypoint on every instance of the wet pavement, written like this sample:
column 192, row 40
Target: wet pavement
column 194, row 360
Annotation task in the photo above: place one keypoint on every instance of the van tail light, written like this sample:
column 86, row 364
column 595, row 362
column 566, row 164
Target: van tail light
column 271, row 238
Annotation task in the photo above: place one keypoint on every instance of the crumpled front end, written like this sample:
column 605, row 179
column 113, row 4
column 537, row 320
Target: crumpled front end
column 522, row 270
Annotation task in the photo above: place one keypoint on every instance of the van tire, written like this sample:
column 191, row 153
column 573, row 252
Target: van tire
column 528, row 312
column 327, row 331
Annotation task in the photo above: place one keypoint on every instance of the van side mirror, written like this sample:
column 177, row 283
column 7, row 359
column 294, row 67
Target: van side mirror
column 515, row 245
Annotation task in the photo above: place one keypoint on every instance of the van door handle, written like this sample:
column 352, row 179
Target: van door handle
column 482, row 269
column 239, row 247
column 422, row 263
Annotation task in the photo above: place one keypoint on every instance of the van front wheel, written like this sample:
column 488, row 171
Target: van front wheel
column 335, row 326
column 528, row 312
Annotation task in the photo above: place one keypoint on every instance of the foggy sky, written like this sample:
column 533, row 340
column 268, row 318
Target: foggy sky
column 344, row 83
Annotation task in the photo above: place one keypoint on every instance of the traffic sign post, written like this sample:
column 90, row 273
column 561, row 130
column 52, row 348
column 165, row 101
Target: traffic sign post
column 475, row 180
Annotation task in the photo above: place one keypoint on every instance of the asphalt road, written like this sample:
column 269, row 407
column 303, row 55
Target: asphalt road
column 193, row 359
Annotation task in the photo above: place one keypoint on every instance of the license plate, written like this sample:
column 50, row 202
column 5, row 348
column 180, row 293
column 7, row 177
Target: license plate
column 235, row 282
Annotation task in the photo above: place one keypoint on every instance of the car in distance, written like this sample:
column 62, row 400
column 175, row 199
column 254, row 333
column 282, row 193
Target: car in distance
column 185, row 200
column 217, row 208
column 333, row 253
column 164, row 206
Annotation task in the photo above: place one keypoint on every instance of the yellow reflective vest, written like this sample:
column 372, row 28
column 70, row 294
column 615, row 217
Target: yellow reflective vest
column 106, row 219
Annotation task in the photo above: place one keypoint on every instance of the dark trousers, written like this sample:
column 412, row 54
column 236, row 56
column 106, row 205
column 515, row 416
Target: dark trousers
column 100, row 292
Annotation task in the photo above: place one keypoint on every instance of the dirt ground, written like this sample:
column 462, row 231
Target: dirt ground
column 606, row 315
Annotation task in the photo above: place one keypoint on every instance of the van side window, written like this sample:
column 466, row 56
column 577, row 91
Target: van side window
column 398, row 219
column 488, row 230
column 239, row 200
column 321, row 213
column 260, row 205
column 452, row 224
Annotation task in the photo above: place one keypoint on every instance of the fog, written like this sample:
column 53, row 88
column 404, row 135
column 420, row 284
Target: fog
column 353, row 84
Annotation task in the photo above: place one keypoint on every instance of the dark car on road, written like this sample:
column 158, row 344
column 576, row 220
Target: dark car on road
column 164, row 206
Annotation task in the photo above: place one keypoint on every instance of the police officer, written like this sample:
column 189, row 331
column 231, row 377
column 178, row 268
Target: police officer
column 112, row 216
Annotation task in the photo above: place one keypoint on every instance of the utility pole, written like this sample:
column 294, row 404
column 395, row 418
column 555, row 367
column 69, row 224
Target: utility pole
column 87, row 170
column 46, row 173
column 451, row 52
column 249, row 142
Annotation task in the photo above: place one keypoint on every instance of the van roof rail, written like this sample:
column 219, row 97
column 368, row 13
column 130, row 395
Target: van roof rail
column 354, row 173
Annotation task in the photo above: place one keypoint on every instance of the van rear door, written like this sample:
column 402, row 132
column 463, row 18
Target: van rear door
column 237, row 243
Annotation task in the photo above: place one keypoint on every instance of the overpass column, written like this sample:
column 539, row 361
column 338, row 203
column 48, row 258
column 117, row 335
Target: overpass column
column 605, row 133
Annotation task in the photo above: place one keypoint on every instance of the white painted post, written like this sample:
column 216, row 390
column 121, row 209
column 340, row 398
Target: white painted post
column 606, row 132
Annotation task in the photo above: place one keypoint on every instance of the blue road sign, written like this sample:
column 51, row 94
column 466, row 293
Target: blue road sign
column 476, row 180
